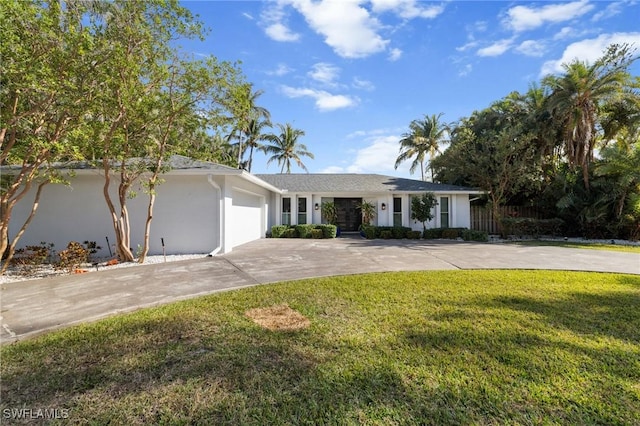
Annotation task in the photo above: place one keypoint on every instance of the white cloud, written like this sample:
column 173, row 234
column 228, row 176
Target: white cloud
column 613, row 9
column 333, row 169
column 496, row 49
column 279, row 32
column 470, row 45
column 407, row 9
column 377, row 156
column 324, row 73
column 325, row 101
column 522, row 18
column 248, row 16
column 281, row 69
column 348, row 28
column 395, row 54
column 359, row 83
column 531, row 48
column 274, row 21
column 564, row 33
column 588, row 50
column 465, row 71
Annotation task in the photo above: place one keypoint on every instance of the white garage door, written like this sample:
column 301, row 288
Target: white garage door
column 246, row 218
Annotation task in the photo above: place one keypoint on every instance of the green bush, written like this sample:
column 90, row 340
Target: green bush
column 446, row 233
column 414, row 235
column 304, row 231
column 328, row 231
column 470, row 235
column 290, row 233
column 432, row 234
column 397, row 232
column 277, row 231
column 369, row 231
column 530, row 227
column 386, row 234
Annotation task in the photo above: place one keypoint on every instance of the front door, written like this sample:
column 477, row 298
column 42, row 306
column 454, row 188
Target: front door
column 349, row 215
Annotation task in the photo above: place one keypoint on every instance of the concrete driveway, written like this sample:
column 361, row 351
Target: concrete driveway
column 32, row 307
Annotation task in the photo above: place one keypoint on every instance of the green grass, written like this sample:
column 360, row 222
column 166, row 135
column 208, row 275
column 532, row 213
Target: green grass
column 452, row 347
column 591, row 246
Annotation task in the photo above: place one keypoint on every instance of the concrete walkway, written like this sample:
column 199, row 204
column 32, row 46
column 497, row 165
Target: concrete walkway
column 32, row 307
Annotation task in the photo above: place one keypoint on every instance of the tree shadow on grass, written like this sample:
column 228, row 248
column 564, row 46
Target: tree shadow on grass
column 166, row 369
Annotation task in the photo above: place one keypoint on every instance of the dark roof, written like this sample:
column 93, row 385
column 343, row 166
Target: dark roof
column 350, row 182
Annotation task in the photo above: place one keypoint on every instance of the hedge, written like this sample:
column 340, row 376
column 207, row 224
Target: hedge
column 303, row 231
column 455, row 233
column 525, row 226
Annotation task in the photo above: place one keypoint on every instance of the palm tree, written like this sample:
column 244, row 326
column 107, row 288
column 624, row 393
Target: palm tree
column 248, row 113
column 578, row 96
column 424, row 136
column 254, row 137
column 285, row 147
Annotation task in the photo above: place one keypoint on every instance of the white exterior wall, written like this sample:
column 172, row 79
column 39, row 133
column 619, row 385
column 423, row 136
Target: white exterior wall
column 184, row 215
column 193, row 213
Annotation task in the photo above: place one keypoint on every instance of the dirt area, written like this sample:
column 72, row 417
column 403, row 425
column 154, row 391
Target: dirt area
column 278, row 318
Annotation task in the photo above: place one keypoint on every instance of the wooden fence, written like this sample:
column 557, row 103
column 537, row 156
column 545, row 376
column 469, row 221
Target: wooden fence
column 482, row 217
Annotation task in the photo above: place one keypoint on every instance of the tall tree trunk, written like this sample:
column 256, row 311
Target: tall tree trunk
column 14, row 242
column 122, row 249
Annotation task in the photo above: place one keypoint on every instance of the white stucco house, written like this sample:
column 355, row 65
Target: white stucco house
column 208, row 208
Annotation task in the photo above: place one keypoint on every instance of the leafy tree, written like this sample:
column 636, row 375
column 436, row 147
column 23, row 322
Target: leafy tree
column 424, row 136
column 153, row 101
column 578, row 97
column 44, row 87
column 492, row 150
column 422, row 208
column 285, row 147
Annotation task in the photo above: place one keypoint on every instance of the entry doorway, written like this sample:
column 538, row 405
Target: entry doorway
column 349, row 214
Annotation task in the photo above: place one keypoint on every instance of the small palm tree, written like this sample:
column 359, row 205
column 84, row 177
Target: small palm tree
column 285, row 147
column 424, row 136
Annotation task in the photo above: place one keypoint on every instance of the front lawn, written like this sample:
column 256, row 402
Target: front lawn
column 451, row 347
column 586, row 245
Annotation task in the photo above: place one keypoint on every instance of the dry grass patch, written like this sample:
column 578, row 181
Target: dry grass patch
column 278, row 318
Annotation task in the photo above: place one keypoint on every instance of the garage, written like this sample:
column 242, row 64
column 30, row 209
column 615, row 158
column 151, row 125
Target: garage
column 248, row 217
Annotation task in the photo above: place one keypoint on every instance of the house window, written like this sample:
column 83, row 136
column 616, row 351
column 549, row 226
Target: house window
column 286, row 211
column 302, row 211
column 444, row 212
column 397, row 211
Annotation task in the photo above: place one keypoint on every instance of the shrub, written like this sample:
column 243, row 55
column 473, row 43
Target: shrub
column 73, row 256
column 304, row 231
column 433, row 234
column 398, row 232
column 278, row 230
column 386, row 234
column 452, row 233
column 369, row 231
column 470, row 235
column 328, row 231
column 446, row 233
column 316, row 233
column 530, row 227
column 30, row 257
column 290, row 233
column 414, row 235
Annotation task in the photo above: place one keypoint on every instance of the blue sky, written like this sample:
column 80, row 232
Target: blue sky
column 353, row 74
